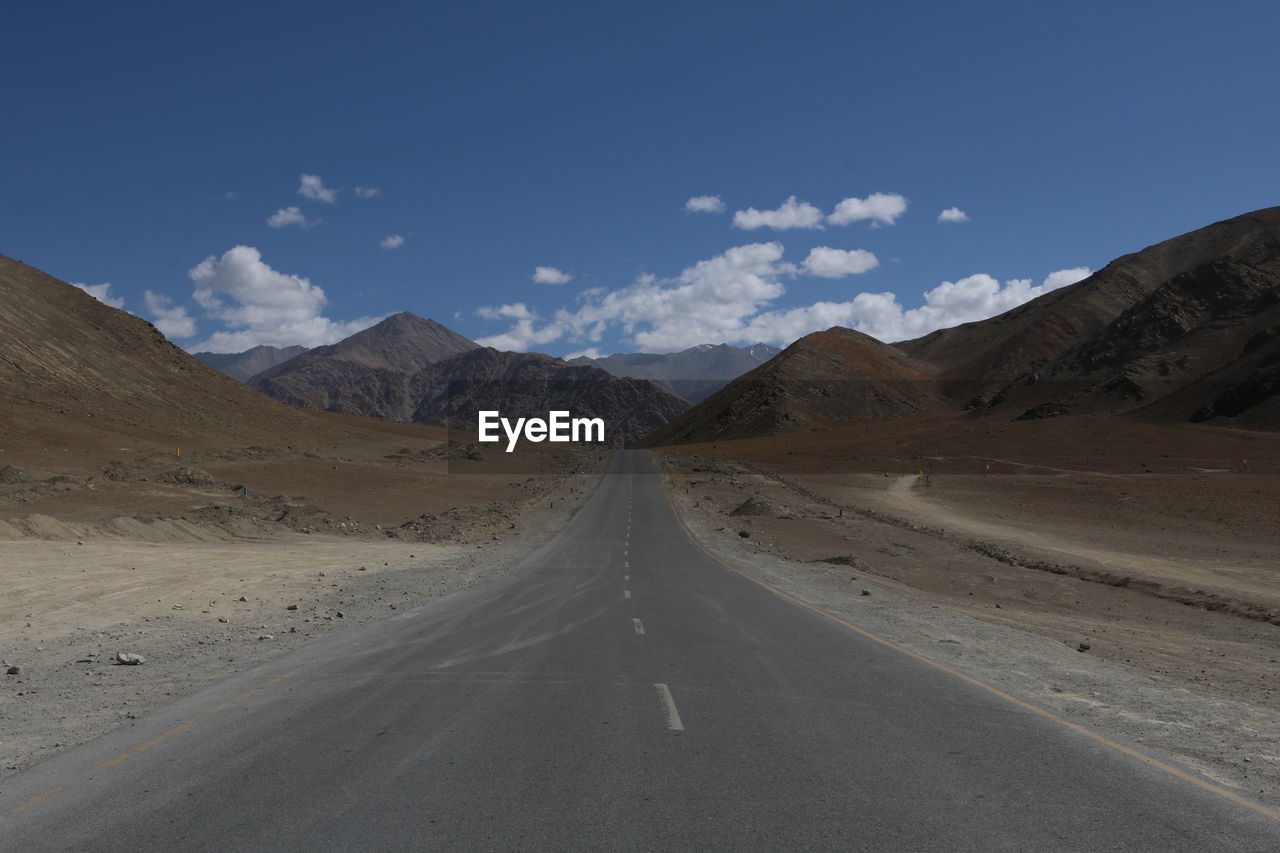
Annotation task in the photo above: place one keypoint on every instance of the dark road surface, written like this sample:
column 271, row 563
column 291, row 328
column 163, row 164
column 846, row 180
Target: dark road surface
column 619, row 690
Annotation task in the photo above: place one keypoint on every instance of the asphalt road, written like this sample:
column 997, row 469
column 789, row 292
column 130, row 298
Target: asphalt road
column 619, row 690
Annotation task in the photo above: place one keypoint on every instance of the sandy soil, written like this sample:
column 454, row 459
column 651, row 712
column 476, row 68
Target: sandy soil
column 200, row 602
column 1005, row 579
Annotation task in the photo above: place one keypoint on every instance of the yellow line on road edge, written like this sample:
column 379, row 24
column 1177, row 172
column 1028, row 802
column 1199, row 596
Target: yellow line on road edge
column 120, row 759
column 995, row 691
column 29, row 803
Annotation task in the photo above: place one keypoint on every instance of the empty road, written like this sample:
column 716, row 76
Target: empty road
column 619, row 690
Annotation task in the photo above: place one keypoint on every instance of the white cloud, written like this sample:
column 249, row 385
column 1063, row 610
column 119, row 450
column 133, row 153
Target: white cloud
column 784, row 327
column 394, row 241
column 368, row 192
column 704, row 204
column 792, row 214
column 880, row 208
column 550, row 275
column 706, row 303
column 286, row 216
column 260, row 305
column 953, row 214
column 523, row 335
column 726, row 299
column 826, row 262
column 589, row 352
column 312, row 187
column 100, row 292
column 515, row 311
column 173, row 321
column 951, row 303
column 1062, row 278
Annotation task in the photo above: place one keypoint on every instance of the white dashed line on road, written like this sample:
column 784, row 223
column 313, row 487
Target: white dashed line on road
column 669, row 704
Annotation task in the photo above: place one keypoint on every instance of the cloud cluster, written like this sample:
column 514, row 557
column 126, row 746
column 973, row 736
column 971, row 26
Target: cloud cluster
column 705, row 303
column 953, row 214
column 173, row 321
column 704, row 204
column 878, row 208
column 312, row 187
column 260, row 305
column 825, row 262
column 522, row 335
column 551, row 275
column 951, row 303
column 286, row 216
column 727, row 298
column 100, row 292
column 790, row 214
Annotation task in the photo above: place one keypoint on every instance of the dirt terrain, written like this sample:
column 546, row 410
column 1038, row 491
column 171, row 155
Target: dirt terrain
column 1002, row 566
column 1140, row 597
column 201, row 600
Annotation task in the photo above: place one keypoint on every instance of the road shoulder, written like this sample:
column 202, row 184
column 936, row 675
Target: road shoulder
column 1230, row 741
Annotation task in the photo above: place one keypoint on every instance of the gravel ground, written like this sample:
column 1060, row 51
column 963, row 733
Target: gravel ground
column 1232, row 737
column 200, row 611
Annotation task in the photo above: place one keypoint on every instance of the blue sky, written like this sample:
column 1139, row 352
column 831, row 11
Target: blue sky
column 146, row 146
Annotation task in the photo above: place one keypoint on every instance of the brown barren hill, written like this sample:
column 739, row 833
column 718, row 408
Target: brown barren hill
column 822, row 379
column 1192, row 317
column 81, row 378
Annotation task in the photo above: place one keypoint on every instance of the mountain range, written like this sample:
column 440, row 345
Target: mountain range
column 245, row 365
column 89, row 381
column 1185, row 330
column 820, row 380
column 407, row 368
column 693, row 374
